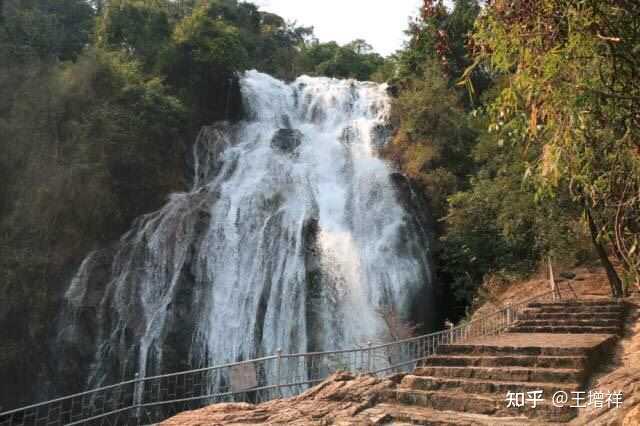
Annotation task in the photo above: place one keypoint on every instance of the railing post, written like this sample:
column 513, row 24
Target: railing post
column 137, row 396
column 509, row 315
column 552, row 281
column 279, row 370
column 369, row 357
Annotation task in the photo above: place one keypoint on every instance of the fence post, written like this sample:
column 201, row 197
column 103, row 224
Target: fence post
column 369, row 357
column 552, row 281
column 509, row 314
column 137, row 396
column 279, row 370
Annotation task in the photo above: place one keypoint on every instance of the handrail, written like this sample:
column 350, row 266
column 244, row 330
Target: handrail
column 275, row 376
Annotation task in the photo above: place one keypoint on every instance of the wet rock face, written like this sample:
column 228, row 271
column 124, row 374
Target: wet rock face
column 91, row 312
column 423, row 310
column 382, row 134
column 78, row 337
column 287, row 140
column 206, row 160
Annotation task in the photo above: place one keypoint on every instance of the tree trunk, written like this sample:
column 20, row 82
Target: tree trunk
column 614, row 279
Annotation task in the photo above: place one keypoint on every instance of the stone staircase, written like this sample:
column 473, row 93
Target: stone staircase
column 598, row 316
column 552, row 347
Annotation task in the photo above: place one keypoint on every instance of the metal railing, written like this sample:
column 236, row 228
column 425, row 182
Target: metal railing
column 149, row 400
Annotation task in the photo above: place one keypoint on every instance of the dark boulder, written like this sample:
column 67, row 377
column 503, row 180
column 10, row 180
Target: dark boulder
column 393, row 89
column 382, row 134
column 287, row 140
column 568, row 275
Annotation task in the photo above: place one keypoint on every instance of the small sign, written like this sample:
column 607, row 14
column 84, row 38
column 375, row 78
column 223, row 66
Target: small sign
column 243, row 377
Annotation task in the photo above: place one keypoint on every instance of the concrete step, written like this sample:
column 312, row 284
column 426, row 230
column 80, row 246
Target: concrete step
column 584, row 302
column 517, row 374
column 396, row 414
column 577, row 362
column 594, row 322
column 483, row 386
column 500, row 350
column 480, row 404
column 595, row 310
column 580, row 316
column 564, row 329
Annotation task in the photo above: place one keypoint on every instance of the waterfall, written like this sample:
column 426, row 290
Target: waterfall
column 292, row 237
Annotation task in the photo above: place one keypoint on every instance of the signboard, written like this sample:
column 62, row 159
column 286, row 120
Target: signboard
column 243, row 377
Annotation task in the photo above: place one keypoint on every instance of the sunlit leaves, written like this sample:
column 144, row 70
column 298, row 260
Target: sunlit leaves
column 570, row 74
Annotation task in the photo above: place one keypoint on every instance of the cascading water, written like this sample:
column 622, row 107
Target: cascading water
column 291, row 238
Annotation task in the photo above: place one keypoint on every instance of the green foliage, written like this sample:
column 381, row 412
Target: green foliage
column 140, row 28
column 434, row 141
column 101, row 121
column 353, row 60
column 499, row 226
column 44, row 29
column 441, row 36
column 279, row 45
column 490, row 229
column 435, row 138
column 86, row 147
column 573, row 90
column 204, row 42
column 491, row 218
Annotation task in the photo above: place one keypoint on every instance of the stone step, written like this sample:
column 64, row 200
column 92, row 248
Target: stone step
column 396, row 414
column 594, row 310
column 594, row 322
column 482, row 386
column 518, row 374
column 544, row 361
column 564, row 329
column 500, row 350
column 481, row 404
column 603, row 302
column 536, row 314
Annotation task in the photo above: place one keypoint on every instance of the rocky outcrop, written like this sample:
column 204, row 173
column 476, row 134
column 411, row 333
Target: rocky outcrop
column 338, row 400
column 424, row 309
column 633, row 418
column 206, row 160
column 287, row 140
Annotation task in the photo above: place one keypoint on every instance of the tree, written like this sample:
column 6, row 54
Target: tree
column 360, row 46
column 201, row 60
column 140, row 28
column 279, row 45
column 572, row 89
column 441, row 36
column 44, row 29
column 353, row 60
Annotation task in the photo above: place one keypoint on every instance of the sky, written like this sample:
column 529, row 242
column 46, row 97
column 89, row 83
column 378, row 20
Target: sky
column 381, row 23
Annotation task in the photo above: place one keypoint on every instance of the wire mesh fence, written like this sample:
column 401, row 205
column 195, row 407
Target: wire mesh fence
column 148, row 400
